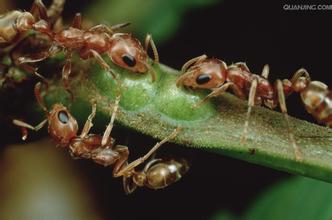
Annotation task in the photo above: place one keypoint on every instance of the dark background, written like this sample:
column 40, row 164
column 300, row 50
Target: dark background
column 257, row 32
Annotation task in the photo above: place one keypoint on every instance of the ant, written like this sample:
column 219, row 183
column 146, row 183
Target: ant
column 214, row 74
column 123, row 49
column 63, row 128
column 14, row 27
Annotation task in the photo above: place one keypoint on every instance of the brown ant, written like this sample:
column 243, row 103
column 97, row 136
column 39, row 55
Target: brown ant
column 123, row 49
column 15, row 25
column 63, row 128
column 213, row 74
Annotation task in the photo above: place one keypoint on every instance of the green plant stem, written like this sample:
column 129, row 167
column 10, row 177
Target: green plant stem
column 157, row 108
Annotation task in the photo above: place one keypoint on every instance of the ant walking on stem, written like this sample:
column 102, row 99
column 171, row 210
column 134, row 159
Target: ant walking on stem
column 63, row 128
column 123, row 49
column 214, row 74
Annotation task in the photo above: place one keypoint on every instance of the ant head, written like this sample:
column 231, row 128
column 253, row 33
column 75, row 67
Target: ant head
column 208, row 74
column 62, row 126
column 127, row 52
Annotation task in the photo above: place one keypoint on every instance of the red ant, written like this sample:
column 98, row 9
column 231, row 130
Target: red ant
column 14, row 26
column 123, row 49
column 204, row 73
column 63, row 128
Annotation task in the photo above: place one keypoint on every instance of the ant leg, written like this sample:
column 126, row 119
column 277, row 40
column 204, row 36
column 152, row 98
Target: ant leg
column 217, row 92
column 40, row 100
column 282, row 104
column 242, row 65
column 109, row 127
column 33, row 70
column 54, row 49
column 149, row 41
column 103, row 28
column 182, row 77
column 55, row 10
column 151, row 71
column 129, row 185
column 265, row 71
column 251, row 103
column 122, row 160
column 23, row 60
column 101, row 62
column 299, row 73
column 66, row 70
column 58, row 25
column 24, row 125
column 39, row 10
column 128, row 169
column 77, row 21
column 108, row 30
column 88, row 124
column 192, row 61
column 115, row 27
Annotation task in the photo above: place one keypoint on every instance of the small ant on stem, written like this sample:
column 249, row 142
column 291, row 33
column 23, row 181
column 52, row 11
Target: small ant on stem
column 63, row 128
column 123, row 49
column 214, row 74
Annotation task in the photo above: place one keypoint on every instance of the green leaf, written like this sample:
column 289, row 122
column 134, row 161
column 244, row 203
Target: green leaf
column 295, row 199
column 155, row 109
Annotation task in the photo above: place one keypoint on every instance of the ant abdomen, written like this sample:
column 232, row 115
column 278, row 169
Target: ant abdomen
column 159, row 174
column 317, row 98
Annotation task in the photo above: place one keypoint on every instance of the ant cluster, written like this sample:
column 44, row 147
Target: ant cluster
column 123, row 50
column 127, row 52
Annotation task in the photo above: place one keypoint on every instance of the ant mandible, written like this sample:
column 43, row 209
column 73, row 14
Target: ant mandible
column 63, row 128
column 14, row 26
column 214, row 74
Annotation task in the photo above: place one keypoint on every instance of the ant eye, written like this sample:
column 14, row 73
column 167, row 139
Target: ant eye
column 203, row 78
column 129, row 60
column 63, row 117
